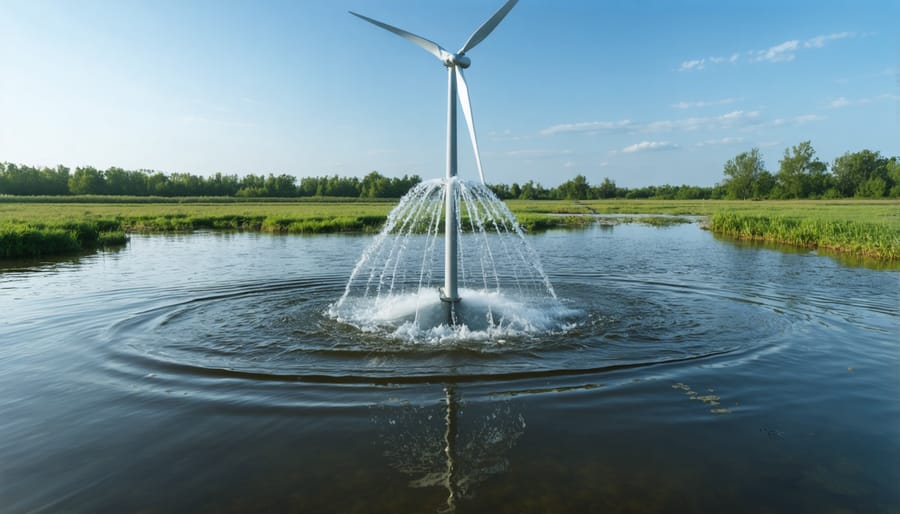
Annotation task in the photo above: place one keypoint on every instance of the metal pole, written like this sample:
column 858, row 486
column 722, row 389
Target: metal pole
column 450, row 292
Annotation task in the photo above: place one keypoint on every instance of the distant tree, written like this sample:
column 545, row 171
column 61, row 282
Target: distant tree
column 747, row 176
column 121, row 182
column 801, row 175
column 533, row 191
column 686, row 192
column 574, row 189
column 157, row 183
column 28, row 180
column 606, row 189
column 863, row 173
column 252, row 186
column 87, row 181
column 640, row 192
column 280, row 186
column 220, row 185
column 374, row 185
column 502, row 191
column 893, row 172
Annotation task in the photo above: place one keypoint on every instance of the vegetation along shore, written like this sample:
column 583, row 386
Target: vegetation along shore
column 43, row 226
column 850, row 207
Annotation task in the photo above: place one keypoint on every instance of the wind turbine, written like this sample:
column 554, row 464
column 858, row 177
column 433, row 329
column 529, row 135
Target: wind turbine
column 455, row 63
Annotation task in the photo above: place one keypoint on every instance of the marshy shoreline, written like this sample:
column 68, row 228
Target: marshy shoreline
column 34, row 227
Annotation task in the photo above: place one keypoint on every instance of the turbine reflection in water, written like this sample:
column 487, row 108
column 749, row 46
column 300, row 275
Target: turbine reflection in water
column 449, row 449
column 395, row 286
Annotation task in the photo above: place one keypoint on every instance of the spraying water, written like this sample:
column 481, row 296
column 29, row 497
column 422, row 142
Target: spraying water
column 395, row 287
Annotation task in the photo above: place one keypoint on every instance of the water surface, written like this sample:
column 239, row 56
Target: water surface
column 202, row 373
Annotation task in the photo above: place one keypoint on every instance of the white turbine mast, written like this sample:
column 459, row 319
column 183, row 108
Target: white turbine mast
column 455, row 63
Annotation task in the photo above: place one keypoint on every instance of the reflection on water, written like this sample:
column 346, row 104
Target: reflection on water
column 202, row 373
column 439, row 446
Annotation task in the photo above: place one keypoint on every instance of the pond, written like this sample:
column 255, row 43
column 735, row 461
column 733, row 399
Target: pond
column 203, row 373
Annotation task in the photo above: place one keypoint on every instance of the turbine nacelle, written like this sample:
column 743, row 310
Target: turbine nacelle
column 455, row 63
column 458, row 60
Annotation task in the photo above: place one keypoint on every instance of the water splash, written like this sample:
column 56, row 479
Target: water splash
column 395, row 286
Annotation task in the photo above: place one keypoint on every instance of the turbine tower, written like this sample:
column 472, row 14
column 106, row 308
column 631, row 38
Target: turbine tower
column 457, row 88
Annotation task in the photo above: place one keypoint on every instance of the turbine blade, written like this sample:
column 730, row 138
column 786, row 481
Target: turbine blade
column 463, row 89
column 429, row 46
column 488, row 26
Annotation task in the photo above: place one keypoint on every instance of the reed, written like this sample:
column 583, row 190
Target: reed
column 875, row 240
column 45, row 226
column 18, row 240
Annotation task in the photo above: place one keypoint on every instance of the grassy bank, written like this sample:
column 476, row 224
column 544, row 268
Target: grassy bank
column 35, row 228
column 45, row 226
column 865, row 228
column 39, row 239
column 874, row 240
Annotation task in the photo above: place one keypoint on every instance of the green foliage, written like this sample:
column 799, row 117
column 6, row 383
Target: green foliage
column 18, row 240
column 801, row 175
column 863, row 174
column 866, row 174
column 747, row 176
column 853, row 237
column 25, row 180
column 38, row 226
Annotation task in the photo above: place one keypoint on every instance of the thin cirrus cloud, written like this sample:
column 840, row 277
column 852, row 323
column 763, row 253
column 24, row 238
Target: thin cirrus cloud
column 721, row 141
column 730, row 120
column 646, row 146
column 782, row 52
column 589, row 127
column 841, row 101
column 704, row 103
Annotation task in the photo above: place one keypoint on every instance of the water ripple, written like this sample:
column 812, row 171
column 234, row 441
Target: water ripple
column 281, row 332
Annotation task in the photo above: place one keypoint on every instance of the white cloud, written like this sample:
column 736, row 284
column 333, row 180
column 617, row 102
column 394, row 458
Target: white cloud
column 537, row 153
column 588, row 127
column 730, row 121
column 726, row 121
column 839, row 102
column 782, row 52
column 844, row 102
column 702, row 103
column 644, row 146
column 819, row 41
column 796, row 120
column 721, row 141
column 693, row 65
column 778, row 53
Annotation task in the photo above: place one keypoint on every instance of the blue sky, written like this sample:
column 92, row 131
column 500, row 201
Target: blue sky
column 644, row 93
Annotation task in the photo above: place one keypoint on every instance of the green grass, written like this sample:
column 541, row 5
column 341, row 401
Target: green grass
column 39, row 239
column 44, row 226
column 874, row 240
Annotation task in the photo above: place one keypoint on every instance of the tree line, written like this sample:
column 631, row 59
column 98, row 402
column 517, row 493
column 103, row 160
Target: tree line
column 800, row 175
column 87, row 180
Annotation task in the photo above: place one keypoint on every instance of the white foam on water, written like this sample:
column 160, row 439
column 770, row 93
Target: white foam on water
column 482, row 316
column 394, row 287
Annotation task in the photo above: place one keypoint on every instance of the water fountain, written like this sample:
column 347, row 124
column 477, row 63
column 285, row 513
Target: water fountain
column 485, row 256
column 498, row 288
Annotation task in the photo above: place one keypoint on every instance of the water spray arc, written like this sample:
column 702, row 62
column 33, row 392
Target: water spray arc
column 458, row 90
